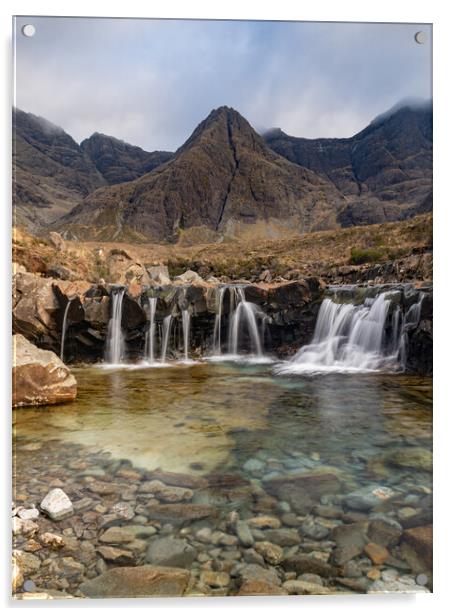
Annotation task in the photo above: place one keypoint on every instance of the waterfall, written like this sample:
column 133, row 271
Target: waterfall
column 243, row 316
column 165, row 339
column 186, row 330
column 350, row 338
column 115, row 347
column 217, row 330
column 149, row 350
column 63, row 331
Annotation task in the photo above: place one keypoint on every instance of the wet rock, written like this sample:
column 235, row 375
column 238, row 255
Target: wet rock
column 143, row 581
column 369, row 497
column 168, row 494
column 123, row 510
column 272, row 553
column 39, row 377
column 309, row 564
column 417, row 548
column 117, row 534
column 403, row 584
column 360, row 585
column 378, row 553
column 215, row 579
column 253, row 572
column 315, row 483
column 300, row 587
column 265, row 521
column 285, row 537
column 260, row 588
column 244, row 534
column 181, row 480
column 57, row 505
column 350, row 540
column 385, row 531
column 103, row 488
column 115, row 555
column 313, row 529
column 182, row 512
column 416, row 458
column 170, row 552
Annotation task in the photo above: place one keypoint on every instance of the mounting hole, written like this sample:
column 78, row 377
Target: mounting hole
column 422, row 579
column 420, row 37
column 28, row 30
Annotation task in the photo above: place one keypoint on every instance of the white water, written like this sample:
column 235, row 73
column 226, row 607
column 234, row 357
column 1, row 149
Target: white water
column 115, row 347
column 218, row 318
column 149, row 351
column 186, row 319
column 244, row 318
column 63, row 332
column 165, row 338
column 350, row 338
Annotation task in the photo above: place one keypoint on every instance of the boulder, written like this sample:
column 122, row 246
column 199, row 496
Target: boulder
column 39, row 377
column 143, row 581
column 35, row 306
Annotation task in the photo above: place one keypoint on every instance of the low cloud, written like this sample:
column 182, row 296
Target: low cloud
column 150, row 82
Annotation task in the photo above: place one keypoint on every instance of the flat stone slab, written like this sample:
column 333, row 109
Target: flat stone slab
column 143, row 581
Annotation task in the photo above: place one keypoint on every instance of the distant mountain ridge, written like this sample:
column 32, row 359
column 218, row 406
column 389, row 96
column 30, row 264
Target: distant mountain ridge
column 225, row 181
column 52, row 173
column 384, row 171
column 119, row 161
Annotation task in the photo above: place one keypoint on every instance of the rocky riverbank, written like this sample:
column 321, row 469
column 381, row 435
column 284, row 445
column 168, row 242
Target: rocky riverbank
column 87, row 525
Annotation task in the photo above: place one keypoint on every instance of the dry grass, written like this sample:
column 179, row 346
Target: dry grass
column 310, row 254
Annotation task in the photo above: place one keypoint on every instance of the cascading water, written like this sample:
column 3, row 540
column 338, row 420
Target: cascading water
column 167, row 321
column 350, row 338
column 115, row 347
column 149, row 350
column 64, row 329
column 186, row 320
column 218, row 318
column 244, row 317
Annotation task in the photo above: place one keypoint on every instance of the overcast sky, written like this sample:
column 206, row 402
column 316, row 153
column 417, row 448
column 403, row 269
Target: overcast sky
column 150, row 82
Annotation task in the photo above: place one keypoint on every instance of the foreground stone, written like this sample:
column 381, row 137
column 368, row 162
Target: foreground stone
column 300, row 587
column 417, row 548
column 170, row 552
column 39, row 377
column 143, row 581
column 57, row 505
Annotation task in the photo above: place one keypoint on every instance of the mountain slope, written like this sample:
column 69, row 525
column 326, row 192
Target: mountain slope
column 50, row 173
column 385, row 171
column 223, row 179
column 119, row 161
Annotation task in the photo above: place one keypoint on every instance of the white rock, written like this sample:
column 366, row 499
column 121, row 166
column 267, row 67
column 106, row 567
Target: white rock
column 29, row 514
column 17, row 526
column 57, row 505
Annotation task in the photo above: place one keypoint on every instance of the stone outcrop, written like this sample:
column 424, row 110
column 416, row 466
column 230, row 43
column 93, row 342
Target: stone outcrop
column 39, row 377
column 290, row 309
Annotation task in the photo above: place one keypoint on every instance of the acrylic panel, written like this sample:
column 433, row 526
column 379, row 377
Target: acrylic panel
column 222, row 308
